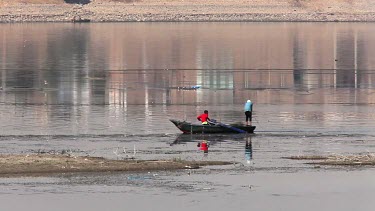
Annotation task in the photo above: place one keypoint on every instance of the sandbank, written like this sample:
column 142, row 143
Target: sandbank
column 47, row 164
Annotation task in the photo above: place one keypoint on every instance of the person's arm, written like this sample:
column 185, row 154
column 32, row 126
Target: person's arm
column 199, row 117
column 210, row 122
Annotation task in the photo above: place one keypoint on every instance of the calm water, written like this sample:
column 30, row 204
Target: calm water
column 97, row 89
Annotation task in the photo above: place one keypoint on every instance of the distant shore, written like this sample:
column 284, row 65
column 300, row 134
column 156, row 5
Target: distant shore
column 191, row 11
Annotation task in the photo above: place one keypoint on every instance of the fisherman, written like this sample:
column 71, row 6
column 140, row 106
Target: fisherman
column 248, row 111
column 204, row 118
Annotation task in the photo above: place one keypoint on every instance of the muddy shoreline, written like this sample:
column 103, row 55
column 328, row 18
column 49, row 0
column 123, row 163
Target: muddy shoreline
column 337, row 160
column 46, row 164
column 189, row 11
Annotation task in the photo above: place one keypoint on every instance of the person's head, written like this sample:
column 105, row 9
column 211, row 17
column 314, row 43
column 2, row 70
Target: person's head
column 205, row 111
column 249, row 101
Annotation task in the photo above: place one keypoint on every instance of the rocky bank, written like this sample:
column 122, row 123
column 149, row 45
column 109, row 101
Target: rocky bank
column 186, row 10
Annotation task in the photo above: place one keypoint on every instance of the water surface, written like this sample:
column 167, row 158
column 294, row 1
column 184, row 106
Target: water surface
column 109, row 89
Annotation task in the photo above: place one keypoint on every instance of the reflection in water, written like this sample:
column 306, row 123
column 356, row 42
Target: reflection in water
column 117, row 83
column 92, row 64
column 248, row 150
column 211, row 138
column 96, row 78
column 203, row 145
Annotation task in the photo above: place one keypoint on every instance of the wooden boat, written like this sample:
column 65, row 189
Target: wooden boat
column 189, row 128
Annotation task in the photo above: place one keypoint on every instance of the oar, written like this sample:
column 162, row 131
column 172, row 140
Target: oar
column 227, row 126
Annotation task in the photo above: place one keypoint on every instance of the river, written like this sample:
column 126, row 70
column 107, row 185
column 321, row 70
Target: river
column 109, row 90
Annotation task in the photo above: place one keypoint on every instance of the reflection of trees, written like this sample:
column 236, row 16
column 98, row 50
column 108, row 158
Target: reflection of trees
column 216, row 69
column 345, row 59
column 52, row 57
column 77, row 61
column 298, row 62
column 319, row 65
column 365, row 59
column 66, row 63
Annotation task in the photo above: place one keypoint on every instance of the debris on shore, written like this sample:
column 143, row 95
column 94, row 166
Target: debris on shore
column 45, row 164
column 339, row 160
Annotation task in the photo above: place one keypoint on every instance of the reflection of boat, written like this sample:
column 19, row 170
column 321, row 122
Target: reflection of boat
column 187, row 127
column 212, row 138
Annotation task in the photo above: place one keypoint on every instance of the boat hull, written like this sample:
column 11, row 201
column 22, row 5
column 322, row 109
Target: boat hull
column 190, row 128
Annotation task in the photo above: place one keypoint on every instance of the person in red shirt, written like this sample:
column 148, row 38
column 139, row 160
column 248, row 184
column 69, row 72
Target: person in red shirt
column 204, row 117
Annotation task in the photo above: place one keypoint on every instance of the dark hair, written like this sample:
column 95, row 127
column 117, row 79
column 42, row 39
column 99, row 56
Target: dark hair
column 205, row 111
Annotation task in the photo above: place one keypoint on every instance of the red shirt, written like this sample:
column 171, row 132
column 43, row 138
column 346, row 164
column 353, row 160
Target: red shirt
column 203, row 117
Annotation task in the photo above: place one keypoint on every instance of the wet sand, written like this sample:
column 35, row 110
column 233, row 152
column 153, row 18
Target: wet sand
column 46, row 164
column 190, row 10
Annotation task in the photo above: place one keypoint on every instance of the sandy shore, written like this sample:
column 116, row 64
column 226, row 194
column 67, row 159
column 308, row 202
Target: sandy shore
column 47, row 164
column 190, row 10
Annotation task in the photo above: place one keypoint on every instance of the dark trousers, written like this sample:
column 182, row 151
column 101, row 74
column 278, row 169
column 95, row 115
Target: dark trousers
column 249, row 115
